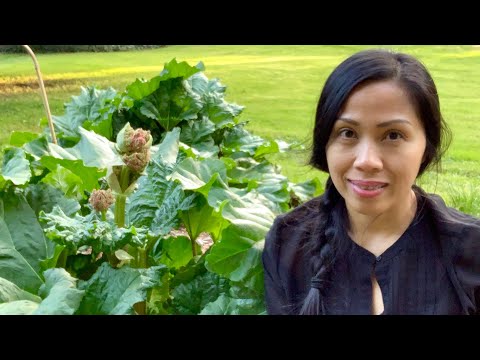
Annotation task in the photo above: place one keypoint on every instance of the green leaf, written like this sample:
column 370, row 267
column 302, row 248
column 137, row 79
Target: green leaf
column 206, row 149
column 168, row 149
column 59, row 152
column 247, row 169
column 237, row 255
column 195, row 131
column 170, row 104
column 61, row 297
column 193, row 269
column 203, row 218
column 275, row 188
column 194, row 174
column 154, row 191
column 239, row 139
column 37, row 147
column 19, row 307
column 16, row 167
column 18, row 138
column 89, row 106
column 123, row 256
column 307, row 190
column 212, row 94
column 160, row 296
column 141, row 88
column 166, row 216
column 246, row 289
column 14, row 267
column 209, row 178
column 174, row 252
column 70, row 232
column 22, row 243
column 136, row 120
column 11, row 292
column 268, row 147
column 264, row 180
column 190, row 298
column 65, row 128
column 66, row 181
column 95, row 150
column 225, row 305
column 248, row 212
column 174, row 69
column 45, row 197
column 89, row 175
column 114, row 291
column 196, row 138
column 80, row 231
column 51, row 261
column 157, row 201
column 59, row 292
column 103, row 128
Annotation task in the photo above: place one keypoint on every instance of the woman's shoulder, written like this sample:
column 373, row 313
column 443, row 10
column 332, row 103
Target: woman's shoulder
column 453, row 222
column 459, row 236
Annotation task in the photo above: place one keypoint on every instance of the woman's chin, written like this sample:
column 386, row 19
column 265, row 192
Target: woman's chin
column 366, row 208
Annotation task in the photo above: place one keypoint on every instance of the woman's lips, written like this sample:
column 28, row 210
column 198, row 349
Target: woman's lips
column 367, row 188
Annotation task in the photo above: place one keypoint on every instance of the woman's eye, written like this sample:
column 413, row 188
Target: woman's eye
column 394, row 135
column 346, row 133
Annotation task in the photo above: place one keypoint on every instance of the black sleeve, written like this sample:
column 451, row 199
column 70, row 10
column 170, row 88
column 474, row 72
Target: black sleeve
column 466, row 263
column 275, row 297
column 459, row 235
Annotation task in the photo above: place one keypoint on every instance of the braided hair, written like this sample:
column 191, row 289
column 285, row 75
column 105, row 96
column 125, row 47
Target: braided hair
column 327, row 241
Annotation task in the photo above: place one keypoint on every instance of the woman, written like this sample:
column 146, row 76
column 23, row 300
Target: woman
column 374, row 242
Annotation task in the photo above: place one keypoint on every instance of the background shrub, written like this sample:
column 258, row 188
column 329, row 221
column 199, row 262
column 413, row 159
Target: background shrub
column 75, row 48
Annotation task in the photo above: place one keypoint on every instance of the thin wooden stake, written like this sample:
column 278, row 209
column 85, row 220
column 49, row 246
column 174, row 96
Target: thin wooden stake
column 43, row 92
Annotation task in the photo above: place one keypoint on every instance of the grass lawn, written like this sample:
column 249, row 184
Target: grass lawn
column 278, row 85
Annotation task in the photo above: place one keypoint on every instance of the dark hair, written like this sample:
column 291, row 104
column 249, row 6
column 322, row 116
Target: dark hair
column 364, row 66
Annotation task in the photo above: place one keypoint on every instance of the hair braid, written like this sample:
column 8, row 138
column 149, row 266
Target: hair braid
column 323, row 249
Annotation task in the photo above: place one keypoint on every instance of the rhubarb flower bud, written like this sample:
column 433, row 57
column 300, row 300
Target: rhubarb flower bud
column 139, row 141
column 122, row 136
column 131, row 140
column 101, row 200
column 137, row 161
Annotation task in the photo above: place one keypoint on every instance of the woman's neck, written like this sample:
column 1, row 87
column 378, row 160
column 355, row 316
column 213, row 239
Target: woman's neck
column 378, row 232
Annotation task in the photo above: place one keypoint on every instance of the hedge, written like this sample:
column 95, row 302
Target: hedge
column 74, row 48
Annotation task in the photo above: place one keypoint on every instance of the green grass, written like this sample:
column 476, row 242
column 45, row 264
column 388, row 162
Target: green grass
column 278, row 85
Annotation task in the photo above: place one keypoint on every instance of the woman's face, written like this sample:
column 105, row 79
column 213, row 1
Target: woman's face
column 375, row 149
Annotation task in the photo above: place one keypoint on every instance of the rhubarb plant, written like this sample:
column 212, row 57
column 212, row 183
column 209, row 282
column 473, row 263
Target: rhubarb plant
column 156, row 200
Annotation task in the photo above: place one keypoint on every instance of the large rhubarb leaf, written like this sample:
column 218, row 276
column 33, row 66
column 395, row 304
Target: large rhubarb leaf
column 60, row 294
column 225, row 305
column 15, row 168
column 22, row 243
column 114, row 291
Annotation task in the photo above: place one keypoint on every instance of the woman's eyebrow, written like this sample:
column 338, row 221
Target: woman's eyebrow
column 381, row 125
column 394, row 121
column 350, row 121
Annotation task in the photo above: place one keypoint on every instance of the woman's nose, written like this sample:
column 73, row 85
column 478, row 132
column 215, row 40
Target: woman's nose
column 368, row 158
